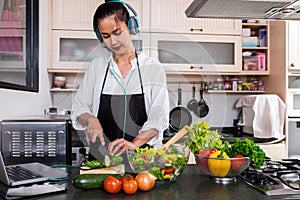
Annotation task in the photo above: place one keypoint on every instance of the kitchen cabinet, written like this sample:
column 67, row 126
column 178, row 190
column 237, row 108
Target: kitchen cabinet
column 293, row 49
column 76, row 49
column 257, row 62
column 78, row 14
column 195, row 54
column 169, row 16
column 73, row 41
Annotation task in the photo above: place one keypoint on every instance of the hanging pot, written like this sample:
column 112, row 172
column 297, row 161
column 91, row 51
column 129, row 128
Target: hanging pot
column 203, row 108
column 180, row 115
column 193, row 103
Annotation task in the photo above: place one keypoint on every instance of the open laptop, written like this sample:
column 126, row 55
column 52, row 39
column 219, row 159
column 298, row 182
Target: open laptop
column 28, row 173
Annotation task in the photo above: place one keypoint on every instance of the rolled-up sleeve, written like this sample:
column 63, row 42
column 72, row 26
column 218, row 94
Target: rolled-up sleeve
column 85, row 100
column 157, row 104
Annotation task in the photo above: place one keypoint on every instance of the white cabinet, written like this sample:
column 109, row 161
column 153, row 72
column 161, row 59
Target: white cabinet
column 78, row 14
column 169, row 16
column 293, row 42
column 194, row 53
column 74, row 50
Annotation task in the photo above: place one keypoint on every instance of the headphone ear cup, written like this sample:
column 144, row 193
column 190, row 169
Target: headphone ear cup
column 133, row 25
column 96, row 30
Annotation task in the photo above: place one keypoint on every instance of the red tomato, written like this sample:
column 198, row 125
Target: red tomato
column 168, row 171
column 203, row 161
column 126, row 177
column 112, row 185
column 130, row 186
column 203, row 152
column 237, row 164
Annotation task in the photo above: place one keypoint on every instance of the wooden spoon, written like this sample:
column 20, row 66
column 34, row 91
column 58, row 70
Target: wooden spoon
column 177, row 136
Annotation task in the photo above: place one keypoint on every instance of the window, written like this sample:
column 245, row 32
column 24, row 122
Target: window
column 19, row 45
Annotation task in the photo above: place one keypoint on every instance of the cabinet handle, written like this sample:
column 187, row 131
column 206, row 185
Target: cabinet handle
column 196, row 67
column 196, row 29
column 292, row 65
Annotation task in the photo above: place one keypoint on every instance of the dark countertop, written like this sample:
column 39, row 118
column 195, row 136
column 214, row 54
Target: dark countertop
column 191, row 184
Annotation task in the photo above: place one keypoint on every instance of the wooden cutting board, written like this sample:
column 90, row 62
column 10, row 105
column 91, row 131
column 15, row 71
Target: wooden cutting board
column 119, row 169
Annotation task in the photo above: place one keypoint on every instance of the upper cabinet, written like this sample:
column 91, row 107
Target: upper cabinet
column 255, row 47
column 293, row 45
column 169, row 16
column 195, row 54
column 78, row 14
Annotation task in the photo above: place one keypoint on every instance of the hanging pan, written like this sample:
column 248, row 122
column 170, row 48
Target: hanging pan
column 193, row 103
column 180, row 115
column 203, row 108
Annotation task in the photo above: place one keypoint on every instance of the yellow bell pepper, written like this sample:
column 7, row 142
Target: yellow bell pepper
column 219, row 167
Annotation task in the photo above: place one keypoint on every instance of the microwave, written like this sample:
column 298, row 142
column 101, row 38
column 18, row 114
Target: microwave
column 293, row 108
column 36, row 139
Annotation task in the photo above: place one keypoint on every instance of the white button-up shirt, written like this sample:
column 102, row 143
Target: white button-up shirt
column 87, row 98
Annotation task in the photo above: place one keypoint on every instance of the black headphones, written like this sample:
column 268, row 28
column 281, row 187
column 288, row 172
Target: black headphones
column 132, row 23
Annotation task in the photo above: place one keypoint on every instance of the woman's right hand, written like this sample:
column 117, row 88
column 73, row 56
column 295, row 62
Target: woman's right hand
column 94, row 130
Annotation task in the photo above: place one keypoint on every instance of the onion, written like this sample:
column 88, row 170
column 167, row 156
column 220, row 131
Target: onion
column 145, row 181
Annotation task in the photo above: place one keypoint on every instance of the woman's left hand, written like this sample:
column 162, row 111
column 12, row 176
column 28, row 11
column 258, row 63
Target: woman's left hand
column 119, row 146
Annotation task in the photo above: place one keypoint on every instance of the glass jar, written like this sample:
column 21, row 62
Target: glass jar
column 240, row 85
column 220, row 84
column 261, row 86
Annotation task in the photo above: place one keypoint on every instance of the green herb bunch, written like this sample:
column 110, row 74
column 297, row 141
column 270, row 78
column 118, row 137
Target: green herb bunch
column 247, row 148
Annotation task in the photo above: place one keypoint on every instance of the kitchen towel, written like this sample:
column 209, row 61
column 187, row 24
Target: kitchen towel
column 268, row 121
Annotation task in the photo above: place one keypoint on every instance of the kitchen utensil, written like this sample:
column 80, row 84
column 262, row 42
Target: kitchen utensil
column 180, row 115
column 193, row 103
column 203, row 108
column 177, row 136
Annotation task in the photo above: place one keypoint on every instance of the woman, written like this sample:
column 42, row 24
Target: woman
column 123, row 99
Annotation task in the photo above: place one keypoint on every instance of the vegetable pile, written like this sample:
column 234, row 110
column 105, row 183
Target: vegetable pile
column 164, row 164
column 204, row 142
column 114, row 183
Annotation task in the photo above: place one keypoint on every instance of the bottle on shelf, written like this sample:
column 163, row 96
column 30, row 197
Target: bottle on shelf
column 262, row 37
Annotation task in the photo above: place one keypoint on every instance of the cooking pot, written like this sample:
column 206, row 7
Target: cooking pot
column 180, row 115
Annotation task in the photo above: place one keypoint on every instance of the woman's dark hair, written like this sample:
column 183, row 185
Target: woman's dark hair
column 109, row 9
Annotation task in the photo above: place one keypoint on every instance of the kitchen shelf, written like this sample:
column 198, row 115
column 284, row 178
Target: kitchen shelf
column 255, row 48
column 234, row 91
column 254, row 24
column 63, row 90
column 67, row 71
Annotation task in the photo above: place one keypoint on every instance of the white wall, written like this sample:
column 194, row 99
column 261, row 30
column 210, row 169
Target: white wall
column 19, row 103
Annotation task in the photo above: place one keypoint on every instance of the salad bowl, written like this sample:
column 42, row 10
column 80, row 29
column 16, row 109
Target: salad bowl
column 165, row 164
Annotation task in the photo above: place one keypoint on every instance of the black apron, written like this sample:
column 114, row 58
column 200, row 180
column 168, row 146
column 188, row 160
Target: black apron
column 113, row 109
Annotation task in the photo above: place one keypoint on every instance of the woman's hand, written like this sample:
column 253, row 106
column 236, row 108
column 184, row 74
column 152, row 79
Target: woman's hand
column 119, row 146
column 94, row 130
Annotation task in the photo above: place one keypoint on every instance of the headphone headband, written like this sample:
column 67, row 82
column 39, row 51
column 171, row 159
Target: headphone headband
column 132, row 23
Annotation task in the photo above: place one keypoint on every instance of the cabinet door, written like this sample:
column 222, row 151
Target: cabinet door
column 169, row 16
column 194, row 54
column 76, row 49
column 293, row 45
column 78, row 14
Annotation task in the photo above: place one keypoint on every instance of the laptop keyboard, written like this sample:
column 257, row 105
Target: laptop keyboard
column 18, row 173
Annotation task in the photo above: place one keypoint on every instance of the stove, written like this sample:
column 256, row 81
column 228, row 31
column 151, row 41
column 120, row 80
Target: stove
column 275, row 177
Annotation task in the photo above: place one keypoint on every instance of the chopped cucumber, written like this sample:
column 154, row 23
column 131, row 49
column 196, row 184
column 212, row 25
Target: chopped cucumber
column 85, row 168
column 111, row 161
column 168, row 165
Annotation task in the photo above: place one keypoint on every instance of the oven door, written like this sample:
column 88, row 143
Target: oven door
column 293, row 109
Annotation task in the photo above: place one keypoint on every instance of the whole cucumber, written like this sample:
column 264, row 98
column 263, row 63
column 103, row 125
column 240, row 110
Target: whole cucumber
column 90, row 181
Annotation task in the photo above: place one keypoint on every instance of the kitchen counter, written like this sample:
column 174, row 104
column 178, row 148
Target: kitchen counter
column 191, row 184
